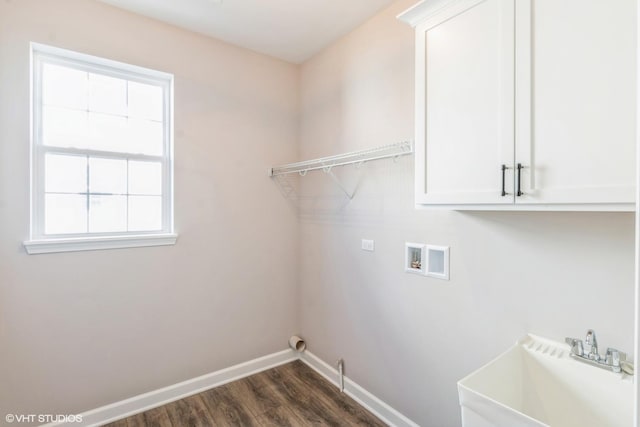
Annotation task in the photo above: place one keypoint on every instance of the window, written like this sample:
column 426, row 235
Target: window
column 101, row 153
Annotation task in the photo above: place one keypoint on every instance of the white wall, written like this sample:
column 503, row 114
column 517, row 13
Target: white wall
column 80, row 330
column 406, row 338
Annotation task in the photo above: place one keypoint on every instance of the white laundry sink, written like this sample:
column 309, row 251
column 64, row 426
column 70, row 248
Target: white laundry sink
column 536, row 383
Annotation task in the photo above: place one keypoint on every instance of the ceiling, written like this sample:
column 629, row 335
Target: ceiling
column 292, row 30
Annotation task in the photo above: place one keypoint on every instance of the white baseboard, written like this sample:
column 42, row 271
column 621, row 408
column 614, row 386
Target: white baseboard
column 370, row 402
column 153, row 399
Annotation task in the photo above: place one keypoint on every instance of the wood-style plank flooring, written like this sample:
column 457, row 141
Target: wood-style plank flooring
column 289, row 395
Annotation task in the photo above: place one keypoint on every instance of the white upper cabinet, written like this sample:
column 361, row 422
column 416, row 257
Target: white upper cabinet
column 530, row 95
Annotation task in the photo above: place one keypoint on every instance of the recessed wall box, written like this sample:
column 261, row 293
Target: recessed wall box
column 414, row 258
column 437, row 258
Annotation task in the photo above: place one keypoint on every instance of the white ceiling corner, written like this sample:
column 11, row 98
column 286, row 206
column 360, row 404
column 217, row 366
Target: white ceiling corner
column 292, row 30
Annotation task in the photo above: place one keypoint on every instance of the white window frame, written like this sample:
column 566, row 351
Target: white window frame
column 41, row 243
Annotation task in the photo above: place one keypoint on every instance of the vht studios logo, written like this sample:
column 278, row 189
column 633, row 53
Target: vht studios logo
column 42, row 418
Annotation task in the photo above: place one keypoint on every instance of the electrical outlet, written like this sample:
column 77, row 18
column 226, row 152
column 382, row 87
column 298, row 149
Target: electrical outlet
column 368, row 245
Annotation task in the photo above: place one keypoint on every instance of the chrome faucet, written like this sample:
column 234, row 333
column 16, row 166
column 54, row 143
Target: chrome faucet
column 613, row 360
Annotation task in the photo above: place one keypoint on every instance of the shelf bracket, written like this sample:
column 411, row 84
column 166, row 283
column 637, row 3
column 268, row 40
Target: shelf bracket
column 333, row 176
column 287, row 189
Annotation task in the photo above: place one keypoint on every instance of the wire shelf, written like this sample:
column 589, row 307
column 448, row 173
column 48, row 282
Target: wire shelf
column 327, row 163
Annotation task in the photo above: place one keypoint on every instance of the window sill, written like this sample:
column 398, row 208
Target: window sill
column 97, row 243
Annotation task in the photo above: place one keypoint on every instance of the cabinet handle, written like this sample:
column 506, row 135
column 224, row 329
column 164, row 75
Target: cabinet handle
column 503, row 168
column 519, row 167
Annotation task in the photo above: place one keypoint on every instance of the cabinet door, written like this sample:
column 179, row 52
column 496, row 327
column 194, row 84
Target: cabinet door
column 576, row 101
column 465, row 104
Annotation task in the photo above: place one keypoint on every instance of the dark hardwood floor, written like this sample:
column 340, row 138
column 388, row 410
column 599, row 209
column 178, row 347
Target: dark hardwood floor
column 288, row 395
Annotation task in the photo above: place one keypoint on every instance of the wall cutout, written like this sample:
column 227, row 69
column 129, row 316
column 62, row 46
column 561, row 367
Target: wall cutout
column 427, row 260
column 437, row 262
column 414, row 258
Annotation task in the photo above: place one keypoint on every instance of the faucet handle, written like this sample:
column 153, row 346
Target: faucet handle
column 576, row 346
column 615, row 357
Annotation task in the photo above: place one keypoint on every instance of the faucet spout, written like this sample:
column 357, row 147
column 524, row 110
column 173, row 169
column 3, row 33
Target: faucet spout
column 593, row 342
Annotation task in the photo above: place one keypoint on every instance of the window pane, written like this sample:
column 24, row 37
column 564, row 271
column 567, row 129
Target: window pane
column 107, row 214
column 65, row 214
column 145, row 101
column 107, row 94
column 107, row 175
column 91, row 120
column 145, row 213
column 107, row 132
column 65, row 174
column 145, row 137
column 62, row 127
column 64, row 87
column 145, row 178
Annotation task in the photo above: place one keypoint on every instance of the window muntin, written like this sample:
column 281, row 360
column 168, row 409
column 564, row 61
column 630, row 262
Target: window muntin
column 101, row 147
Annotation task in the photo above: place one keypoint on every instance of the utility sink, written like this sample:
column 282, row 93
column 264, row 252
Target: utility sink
column 536, row 383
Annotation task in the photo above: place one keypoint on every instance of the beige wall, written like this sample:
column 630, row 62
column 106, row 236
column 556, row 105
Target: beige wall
column 406, row 338
column 80, row 330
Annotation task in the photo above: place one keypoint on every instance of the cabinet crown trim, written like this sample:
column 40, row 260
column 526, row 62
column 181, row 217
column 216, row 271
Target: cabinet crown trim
column 426, row 9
